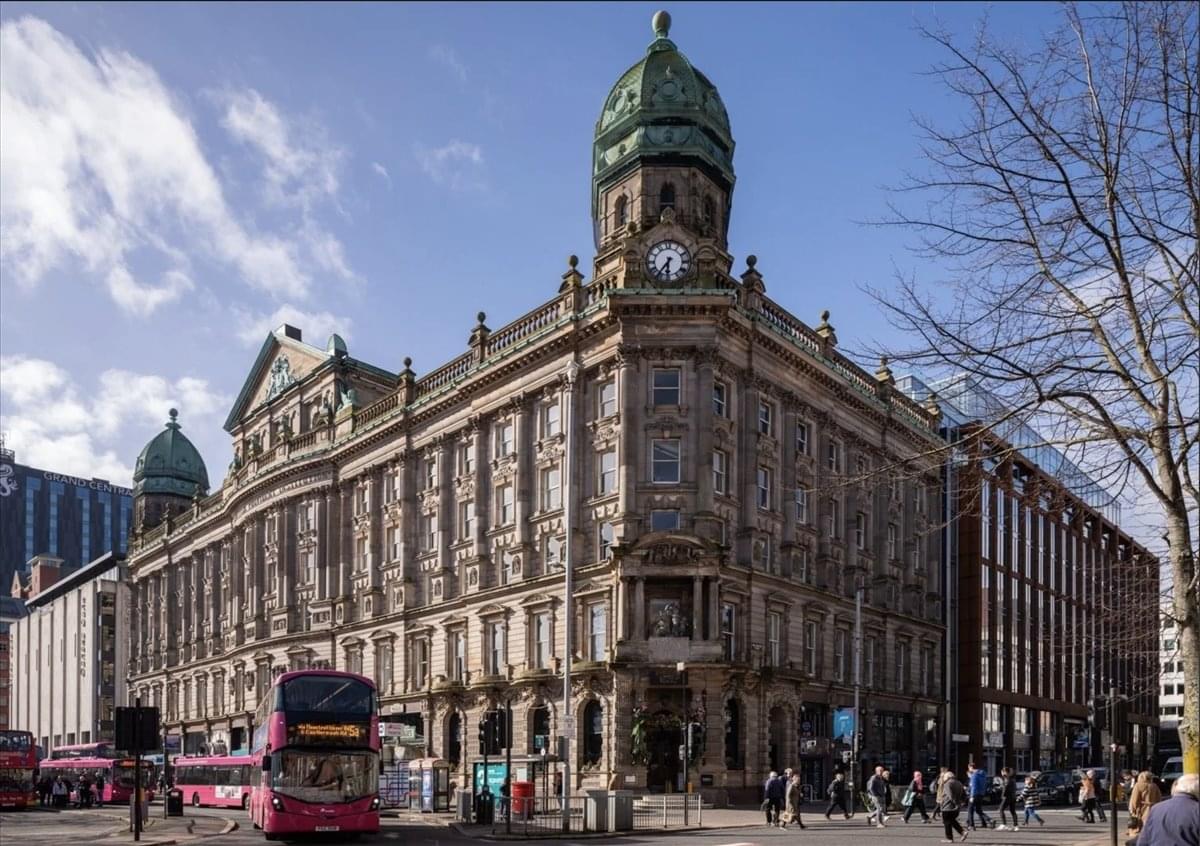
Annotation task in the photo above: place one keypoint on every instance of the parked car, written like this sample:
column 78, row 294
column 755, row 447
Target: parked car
column 1172, row 770
column 1056, row 787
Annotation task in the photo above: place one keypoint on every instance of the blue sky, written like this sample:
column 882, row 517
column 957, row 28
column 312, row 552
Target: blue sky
column 177, row 179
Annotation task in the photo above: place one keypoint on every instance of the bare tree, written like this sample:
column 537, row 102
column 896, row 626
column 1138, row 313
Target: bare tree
column 1066, row 208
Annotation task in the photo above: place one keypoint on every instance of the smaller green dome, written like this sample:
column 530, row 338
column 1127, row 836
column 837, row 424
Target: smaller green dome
column 169, row 464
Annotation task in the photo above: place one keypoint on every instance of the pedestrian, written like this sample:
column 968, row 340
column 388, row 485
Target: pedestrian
column 1175, row 821
column 44, row 791
column 837, row 793
column 937, row 791
column 1008, row 798
column 505, row 794
column 915, row 798
column 793, row 799
column 1032, row 801
column 774, row 792
column 100, row 790
column 1087, row 797
column 558, row 788
column 1145, row 794
column 953, row 797
column 877, row 795
column 59, row 792
column 977, row 781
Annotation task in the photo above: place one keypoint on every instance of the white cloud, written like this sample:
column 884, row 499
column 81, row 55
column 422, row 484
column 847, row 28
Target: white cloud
column 102, row 168
column 383, row 172
column 300, row 167
column 316, row 326
column 448, row 58
column 457, row 164
column 51, row 424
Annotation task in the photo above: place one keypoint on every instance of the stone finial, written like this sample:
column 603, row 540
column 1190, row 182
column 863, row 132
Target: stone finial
column 751, row 260
column 661, row 24
column 884, row 374
column 408, row 382
column 481, row 316
column 826, row 332
column 479, row 337
column 933, row 407
column 572, row 280
column 173, row 423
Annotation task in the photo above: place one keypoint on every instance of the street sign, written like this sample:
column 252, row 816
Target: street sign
column 960, row 738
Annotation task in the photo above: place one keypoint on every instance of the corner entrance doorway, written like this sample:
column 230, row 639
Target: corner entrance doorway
column 664, row 736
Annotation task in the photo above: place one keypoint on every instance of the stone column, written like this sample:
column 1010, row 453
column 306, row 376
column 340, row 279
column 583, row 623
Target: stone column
column 483, row 488
column 324, row 548
column 788, row 480
column 704, row 429
column 447, row 518
column 639, row 608
column 697, row 608
column 287, row 553
column 525, row 485
column 746, row 470
column 630, row 457
column 343, row 538
column 408, row 511
column 620, row 612
column 714, row 609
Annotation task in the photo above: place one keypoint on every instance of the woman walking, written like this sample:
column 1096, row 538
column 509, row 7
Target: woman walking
column 1032, row 801
column 953, row 798
column 1144, row 794
column 916, row 797
column 1087, row 796
column 1008, row 798
column 792, row 802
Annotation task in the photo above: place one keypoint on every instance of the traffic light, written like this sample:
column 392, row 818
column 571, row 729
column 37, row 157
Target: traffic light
column 493, row 733
column 484, row 745
column 1098, row 713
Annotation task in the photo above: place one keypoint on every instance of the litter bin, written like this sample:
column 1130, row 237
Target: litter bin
column 522, row 799
column 485, row 809
column 174, row 802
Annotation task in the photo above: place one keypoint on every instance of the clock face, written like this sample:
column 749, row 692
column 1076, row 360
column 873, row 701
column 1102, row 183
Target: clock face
column 668, row 261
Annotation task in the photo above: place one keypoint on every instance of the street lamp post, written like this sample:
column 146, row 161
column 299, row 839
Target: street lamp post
column 858, row 597
column 567, row 722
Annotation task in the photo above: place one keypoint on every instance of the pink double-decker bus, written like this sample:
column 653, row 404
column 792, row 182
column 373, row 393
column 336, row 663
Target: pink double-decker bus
column 220, row 782
column 316, row 741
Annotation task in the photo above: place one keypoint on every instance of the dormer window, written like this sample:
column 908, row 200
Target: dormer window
column 622, row 210
column 666, row 197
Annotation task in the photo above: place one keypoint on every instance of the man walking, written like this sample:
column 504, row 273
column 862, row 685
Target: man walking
column 877, row 793
column 774, row 790
column 976, row 793
column 951, row 800
column 837, row 794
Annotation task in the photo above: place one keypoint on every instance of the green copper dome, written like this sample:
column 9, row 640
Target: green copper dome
column 664, row 109
column 170, row 465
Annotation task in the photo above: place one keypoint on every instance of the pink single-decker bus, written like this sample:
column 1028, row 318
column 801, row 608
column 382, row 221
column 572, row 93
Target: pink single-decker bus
column 316, row 739
column 219, row 782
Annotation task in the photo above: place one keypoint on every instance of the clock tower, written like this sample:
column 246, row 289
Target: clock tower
column 662, row 174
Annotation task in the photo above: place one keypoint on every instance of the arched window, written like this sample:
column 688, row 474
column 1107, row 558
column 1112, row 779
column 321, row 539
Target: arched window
column 539, row 729
column 593, row 732
column 666, row 197
column 733, row 730
column 454, row 739
column 622, row 210
column 710, row 211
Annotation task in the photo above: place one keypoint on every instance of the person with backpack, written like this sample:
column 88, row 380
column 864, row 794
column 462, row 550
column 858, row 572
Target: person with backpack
column 953, row 797
column 838, row 794
column 877, row 793
column 1008, row 798
column 977, row 781
column 915, row 797
column 1032, row 801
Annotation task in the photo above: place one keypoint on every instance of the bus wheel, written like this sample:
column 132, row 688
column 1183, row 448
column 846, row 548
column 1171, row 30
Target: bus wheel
column 195, row 800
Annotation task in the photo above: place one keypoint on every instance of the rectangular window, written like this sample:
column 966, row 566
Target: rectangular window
column 389, row 491
column 597, row 632
column 834, row 523
column 802, row 438
column 665, row 460
column 774, row 626
column 430, row 473
column 363, row 503
column 891, row 542
column 605, row 537
column 839, row 655
column 803, row 566
column 504, row 439
column 902, row 654
column 466, row 459
column 833, row 457
column 720, row 468
column 552, row 553
column 766, row 423
column 360, row 555
column 466, row 520
column 505, row 507
column 458, row 656
column 496, row 655
column 664, row 520
column 420, row 662
column 802, row 506
column 860, row 530
column 810, row 647
column 541, row 641
column 729, row 631
column 429, row 530
column 666, row 386
column 551, row 420
column 606, row 399
column 606, row 462
column 764, row 488
column 926, row 670
column 720, row 399
column 393, row 536
column 551, row 489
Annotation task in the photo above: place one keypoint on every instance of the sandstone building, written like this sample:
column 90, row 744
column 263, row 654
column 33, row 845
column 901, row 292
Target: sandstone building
column 722, row 475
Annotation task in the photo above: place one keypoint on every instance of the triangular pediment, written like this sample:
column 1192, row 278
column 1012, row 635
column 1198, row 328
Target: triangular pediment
column 283, row 361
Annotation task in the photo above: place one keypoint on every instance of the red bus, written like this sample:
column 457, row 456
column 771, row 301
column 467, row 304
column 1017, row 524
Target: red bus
column 18, row 761
column 222, row 782
column 316, row 740
column 117, row 775
column 102, row 749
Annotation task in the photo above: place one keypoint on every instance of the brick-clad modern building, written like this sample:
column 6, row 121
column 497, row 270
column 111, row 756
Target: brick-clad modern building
column 1055, row 604
column 719, row 474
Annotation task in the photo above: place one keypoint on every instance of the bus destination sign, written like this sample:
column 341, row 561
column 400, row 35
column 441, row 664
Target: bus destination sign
column 328, row 734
